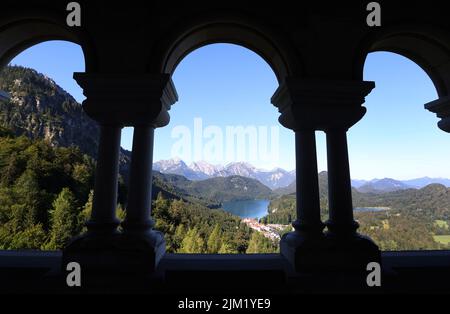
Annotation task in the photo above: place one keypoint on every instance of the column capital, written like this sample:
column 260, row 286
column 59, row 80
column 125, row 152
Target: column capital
column 128, row 99
column 441, row 107
column 313, row 104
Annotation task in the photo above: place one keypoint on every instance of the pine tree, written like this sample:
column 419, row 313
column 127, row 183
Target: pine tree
column 31, row 238
column 253, row 245
column 11, row 170
column 64, row 220
column 192, row 242
column 85, row 213
column 176, row 211
column 82, row 176
column 28, row 194
column 225, row 248
column 180, row 233
column 161, row 208
column 215, row 240
column 120, row 212
column 260, row 244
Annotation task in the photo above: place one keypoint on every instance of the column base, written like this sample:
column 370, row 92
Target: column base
column 350, row 252
column 116, row 254
column 304, row 252
column 329, row 252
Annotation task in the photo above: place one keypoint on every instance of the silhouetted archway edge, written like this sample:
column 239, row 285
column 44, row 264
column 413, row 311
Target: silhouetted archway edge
column 427, row 46
column 22, row 33
column 279, row 54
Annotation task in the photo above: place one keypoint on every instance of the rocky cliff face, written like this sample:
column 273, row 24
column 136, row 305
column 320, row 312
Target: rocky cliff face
column 39, row 108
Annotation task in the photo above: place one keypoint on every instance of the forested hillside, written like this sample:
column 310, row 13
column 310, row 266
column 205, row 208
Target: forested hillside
column 416, row 219
column 220, row 189
column 42, row 192
column 46, row 198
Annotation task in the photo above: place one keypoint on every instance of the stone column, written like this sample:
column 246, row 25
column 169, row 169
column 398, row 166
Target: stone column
column 303, row 247
column 103, row 216
column 307, row 185
column 333, row 107
column 140, row 186
column 138, row 231
column 161, row 94
column 339, row 184
column 114, row 101
column 441, row 107
column 348, row 250
column 94, row 249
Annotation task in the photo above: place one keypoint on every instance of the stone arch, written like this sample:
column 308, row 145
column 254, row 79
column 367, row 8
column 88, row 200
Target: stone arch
column 278, row 53
column 24, row 32
column 426, row 46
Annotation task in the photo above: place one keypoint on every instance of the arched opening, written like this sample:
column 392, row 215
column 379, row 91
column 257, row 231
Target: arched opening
column 21, row 34
column 223, row 153
column 398, row 156
column 48, row 144
column 427, row 47
column 274, row 49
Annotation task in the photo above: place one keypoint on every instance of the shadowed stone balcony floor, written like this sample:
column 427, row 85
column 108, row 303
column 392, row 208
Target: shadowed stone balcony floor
column 412, row 271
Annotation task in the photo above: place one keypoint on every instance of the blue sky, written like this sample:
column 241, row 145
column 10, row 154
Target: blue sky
column 228, row 86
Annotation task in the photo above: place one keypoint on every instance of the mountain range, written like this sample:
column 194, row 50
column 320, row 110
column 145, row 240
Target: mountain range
column 378, row 186
column 202, row 170
column 390, row 185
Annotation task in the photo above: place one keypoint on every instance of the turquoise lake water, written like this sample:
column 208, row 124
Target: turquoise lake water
column 370, row 209
column 259, row 208
column 247, row 209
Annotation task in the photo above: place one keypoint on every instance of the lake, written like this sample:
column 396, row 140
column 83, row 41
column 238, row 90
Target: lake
column 247, row 209
column 370, row 209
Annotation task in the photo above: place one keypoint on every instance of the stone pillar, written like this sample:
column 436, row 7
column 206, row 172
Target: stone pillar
column 441, row 107
column 303, row 248
column 333, row 107
column 348, row 250
column 339, row 184
column 95, row 250
column 138, row 225
column 140, row 186
column 138, row 230
column 114, row 101
column 307, row 186
column 103, row 217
